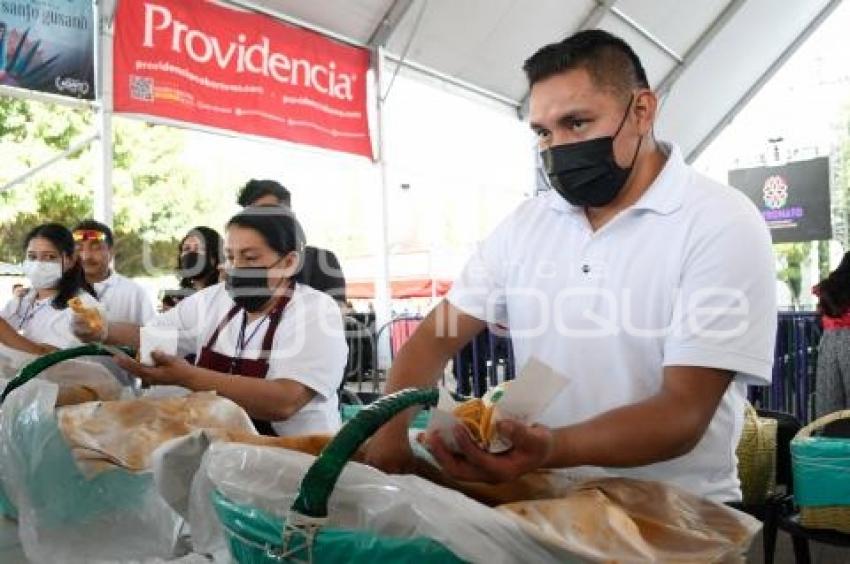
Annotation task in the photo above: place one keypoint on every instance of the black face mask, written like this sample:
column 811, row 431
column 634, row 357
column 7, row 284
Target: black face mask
column 586, row 173
column 249, row 287
column 193, row 265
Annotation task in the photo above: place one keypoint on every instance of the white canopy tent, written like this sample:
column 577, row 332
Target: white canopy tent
column 706, row 57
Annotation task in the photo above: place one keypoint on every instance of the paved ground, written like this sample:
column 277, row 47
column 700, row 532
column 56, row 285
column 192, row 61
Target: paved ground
column 821, row 554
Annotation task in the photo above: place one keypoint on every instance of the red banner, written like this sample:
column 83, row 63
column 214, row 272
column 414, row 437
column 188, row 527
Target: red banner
column 197, row 61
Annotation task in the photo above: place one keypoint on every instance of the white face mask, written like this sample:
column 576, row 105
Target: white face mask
column 42, row 274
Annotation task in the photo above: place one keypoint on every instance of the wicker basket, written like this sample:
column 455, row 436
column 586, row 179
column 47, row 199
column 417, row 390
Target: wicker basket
column 255, row 537
column 757, row 457
column 831, row 469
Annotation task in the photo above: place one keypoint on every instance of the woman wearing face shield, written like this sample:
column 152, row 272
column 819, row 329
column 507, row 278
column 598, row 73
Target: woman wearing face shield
column 273, row 346
column 55, row 275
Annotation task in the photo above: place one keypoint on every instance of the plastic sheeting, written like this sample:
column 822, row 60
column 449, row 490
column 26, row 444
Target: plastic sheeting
column 80, row 380
column 63, row 516
column 821, row 471
column 625, row 520
column 12, row 360
column 105, row 435
column 612, row 519
column 364, row 499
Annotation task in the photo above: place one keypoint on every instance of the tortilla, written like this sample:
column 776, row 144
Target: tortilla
column 103, row 435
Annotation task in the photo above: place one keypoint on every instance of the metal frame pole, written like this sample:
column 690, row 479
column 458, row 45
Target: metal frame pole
column 73, row 148
column 103, row 192
column 383, row 297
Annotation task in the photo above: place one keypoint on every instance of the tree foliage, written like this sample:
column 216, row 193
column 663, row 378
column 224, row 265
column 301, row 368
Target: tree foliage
column 156, row 198
column 792, row 257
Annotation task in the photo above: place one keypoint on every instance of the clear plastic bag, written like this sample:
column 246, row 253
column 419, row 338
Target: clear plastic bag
column 364, row 499
column 614, row 519
column 12, row 360
column 626, row 520
column 64, row 517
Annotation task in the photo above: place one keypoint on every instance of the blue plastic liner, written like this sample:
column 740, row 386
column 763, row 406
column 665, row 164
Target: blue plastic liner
column 821, row 471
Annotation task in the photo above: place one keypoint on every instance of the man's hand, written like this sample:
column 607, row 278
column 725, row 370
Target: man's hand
column 419, row 364
column 169, row 370
column 532, row 446
column 389, row 450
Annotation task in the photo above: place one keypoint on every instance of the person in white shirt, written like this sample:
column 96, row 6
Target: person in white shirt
column 14, row 340
column 123, row 299
column 275, row 347
column 55, row 276
column 648, row 286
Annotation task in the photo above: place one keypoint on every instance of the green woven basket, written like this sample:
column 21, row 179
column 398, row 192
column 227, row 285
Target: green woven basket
column 255, row 537
column 822, row 476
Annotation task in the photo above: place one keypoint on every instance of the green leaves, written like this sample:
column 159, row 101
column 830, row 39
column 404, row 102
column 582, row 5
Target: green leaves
column 156, row 197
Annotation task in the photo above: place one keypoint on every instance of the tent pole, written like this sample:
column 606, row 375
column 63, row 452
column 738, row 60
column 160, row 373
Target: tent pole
column 73, row 148
column 103, row 164
column 383, row 297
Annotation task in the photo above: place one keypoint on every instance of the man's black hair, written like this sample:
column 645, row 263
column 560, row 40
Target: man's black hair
column 92, row 225
column 256, row 189
column 610, row 61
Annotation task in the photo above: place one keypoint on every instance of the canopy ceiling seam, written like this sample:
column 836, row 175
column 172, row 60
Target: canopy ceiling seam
column 401, row 60
column 699, row 46
column 646, row 34
column 763, row 79
column 385, row 29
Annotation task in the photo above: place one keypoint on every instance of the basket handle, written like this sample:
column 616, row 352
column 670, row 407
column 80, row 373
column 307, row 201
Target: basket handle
column 42, row 363
column 821, row 422
column 321, row 478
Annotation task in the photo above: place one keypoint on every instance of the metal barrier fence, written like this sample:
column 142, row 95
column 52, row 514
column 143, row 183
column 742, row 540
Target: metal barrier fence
column 795, row 362
column 488, row 360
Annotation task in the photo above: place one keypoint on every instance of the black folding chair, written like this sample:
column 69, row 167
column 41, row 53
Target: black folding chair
column 773, row 509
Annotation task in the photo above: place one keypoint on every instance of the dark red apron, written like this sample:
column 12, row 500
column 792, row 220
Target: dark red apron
column 259, row 368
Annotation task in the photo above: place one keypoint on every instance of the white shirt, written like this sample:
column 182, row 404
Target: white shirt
column 124, row 300
column 610, row 309
column 309, row 347
column 39, row 321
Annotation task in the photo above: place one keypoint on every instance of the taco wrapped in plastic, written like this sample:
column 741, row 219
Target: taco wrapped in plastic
column 604, row 520
column 523, row 400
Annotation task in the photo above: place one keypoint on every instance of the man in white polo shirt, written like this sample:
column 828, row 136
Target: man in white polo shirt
column 124, row 300
column 648, row 286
